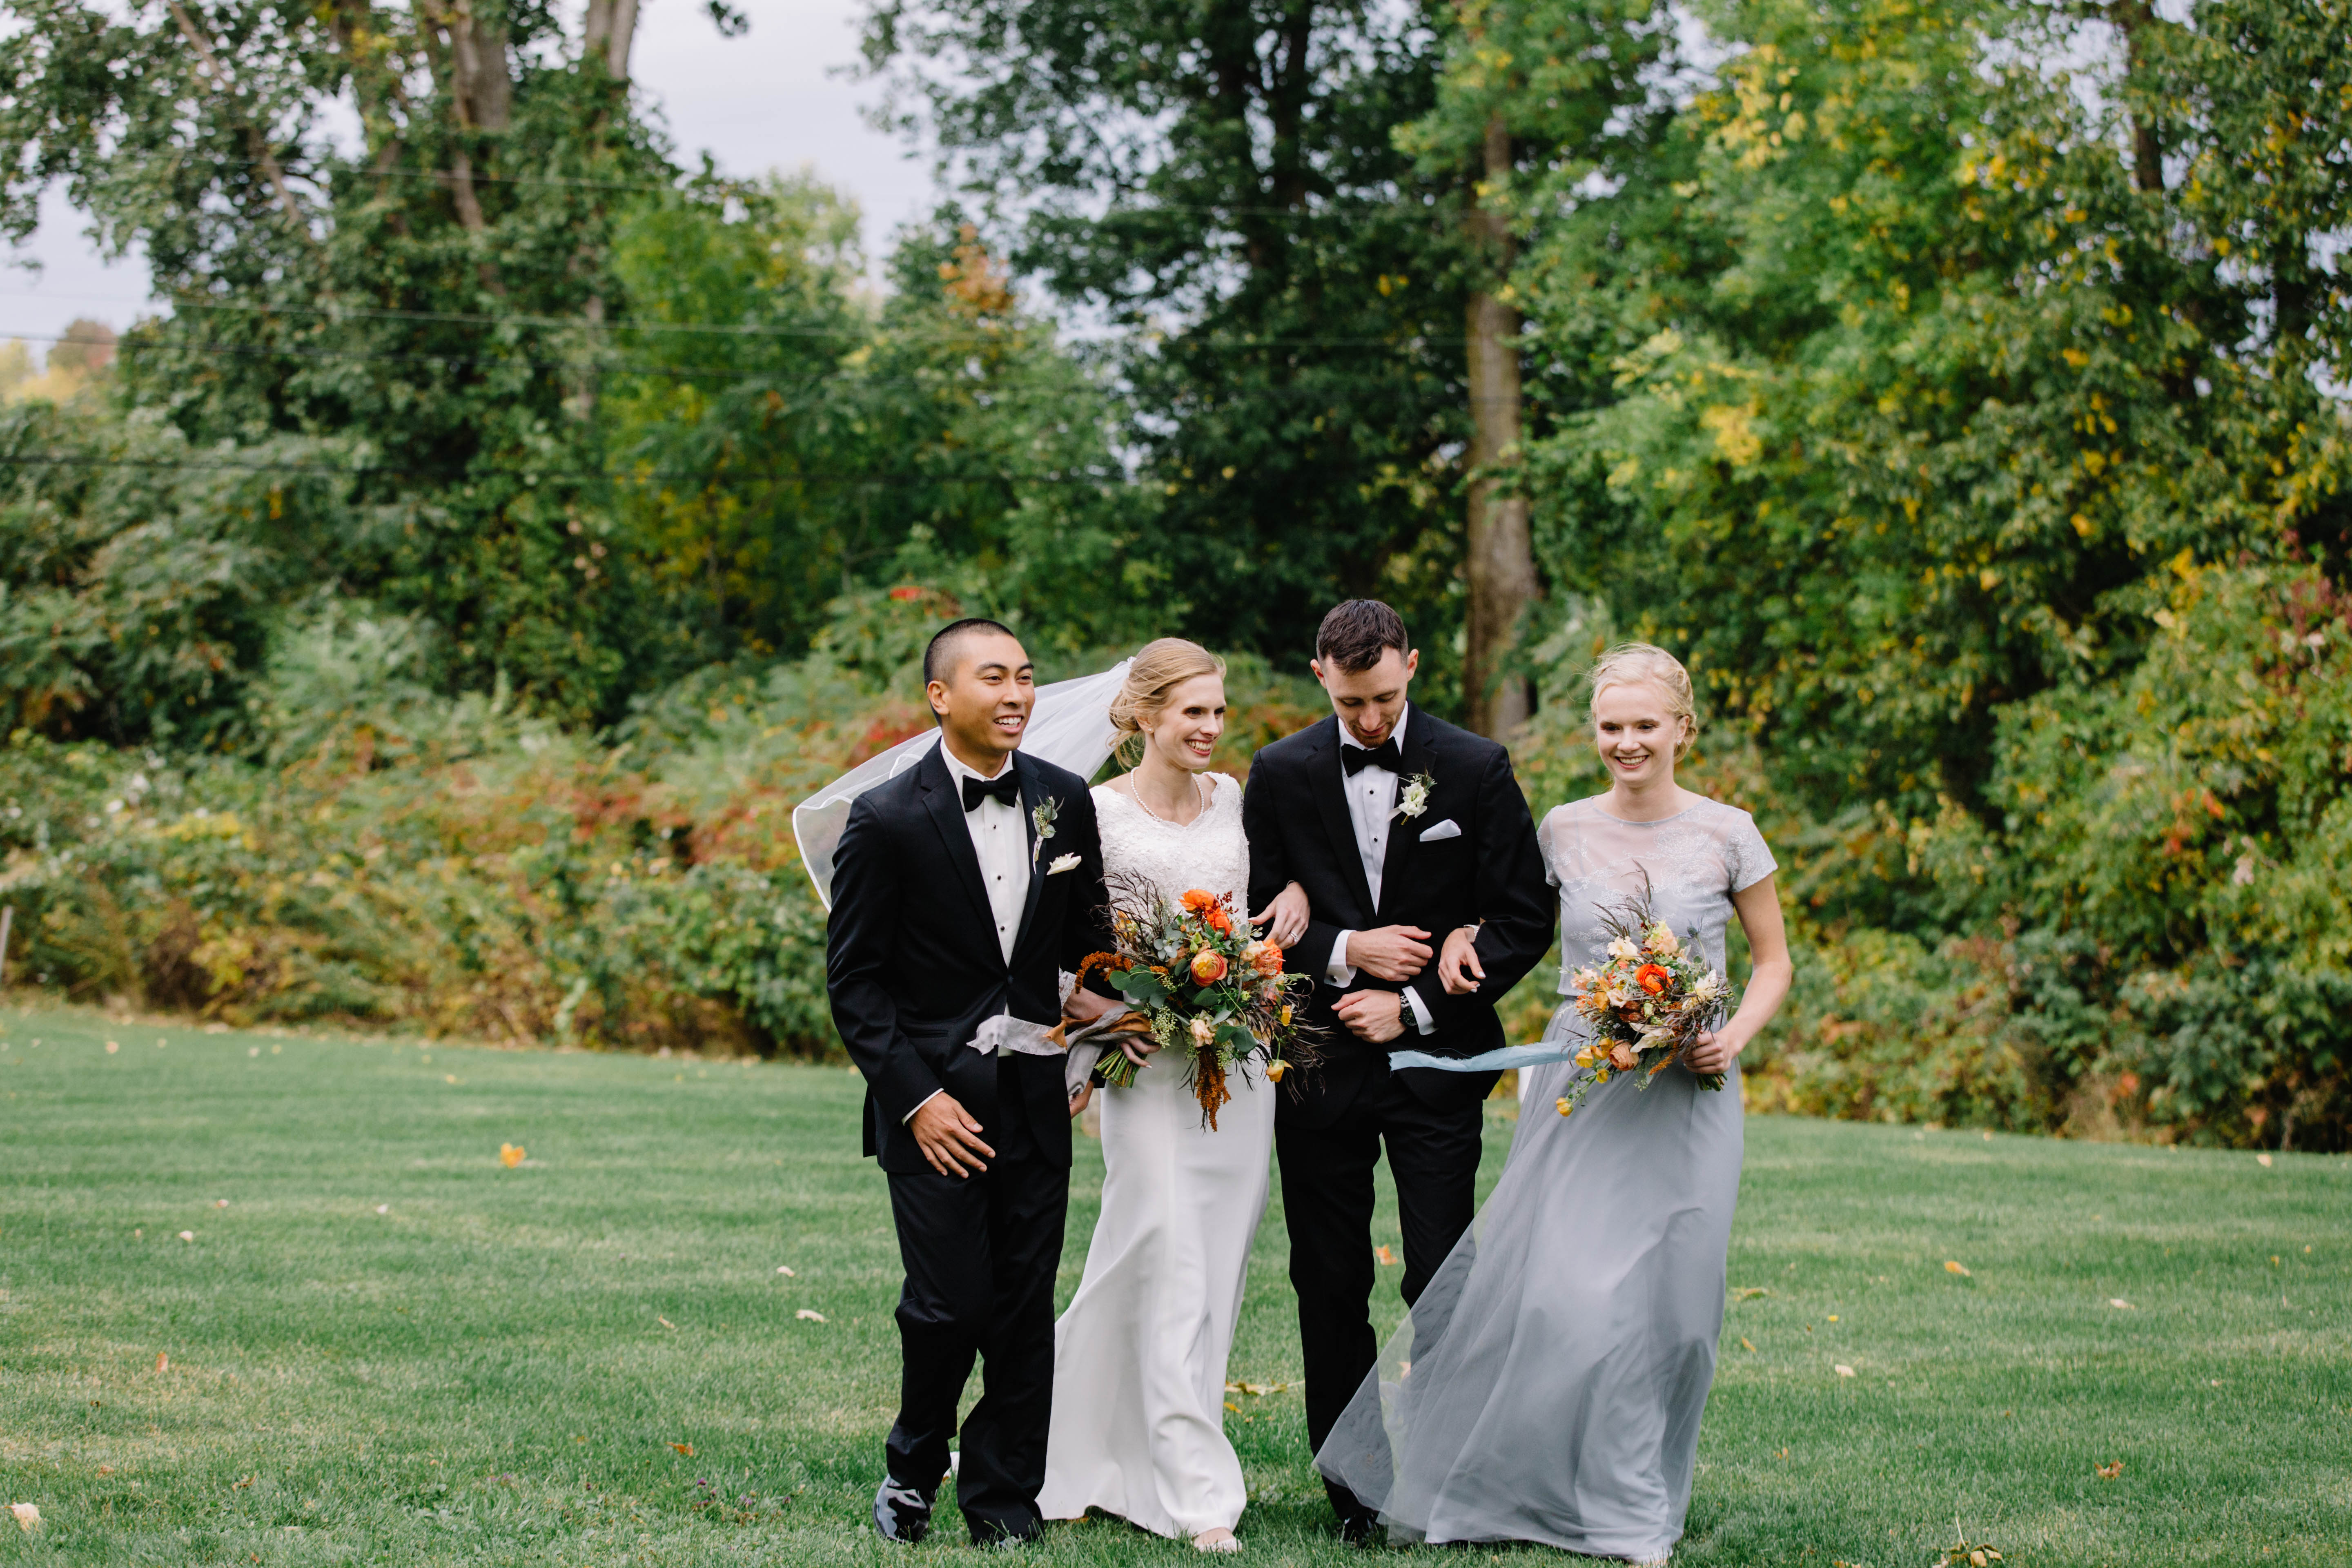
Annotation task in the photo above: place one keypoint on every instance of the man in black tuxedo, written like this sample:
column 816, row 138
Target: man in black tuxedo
column 961, row 888
column 1399, row 827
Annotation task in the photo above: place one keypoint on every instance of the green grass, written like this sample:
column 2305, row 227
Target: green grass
column 390, row 1348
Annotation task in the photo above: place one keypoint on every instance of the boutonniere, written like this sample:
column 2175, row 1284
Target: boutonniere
column 1413, row 797
column 1041, row 820
column 1062, row 863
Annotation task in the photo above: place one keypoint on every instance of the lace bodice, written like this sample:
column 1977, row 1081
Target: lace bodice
column 1695, row 861
column 1208, row 852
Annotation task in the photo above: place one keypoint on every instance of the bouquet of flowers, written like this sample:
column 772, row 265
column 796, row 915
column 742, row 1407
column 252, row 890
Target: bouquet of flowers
column 1648, row 1004
column 1200, row 983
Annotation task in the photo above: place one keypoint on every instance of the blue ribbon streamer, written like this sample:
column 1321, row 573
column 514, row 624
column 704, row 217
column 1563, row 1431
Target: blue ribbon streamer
column 1488, row 1061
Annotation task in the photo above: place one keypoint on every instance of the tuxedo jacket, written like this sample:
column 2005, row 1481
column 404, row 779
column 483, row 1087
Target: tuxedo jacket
column 913, row 964
column 1295, row 814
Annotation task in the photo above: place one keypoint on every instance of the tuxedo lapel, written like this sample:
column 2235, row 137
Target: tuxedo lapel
column 1033, row 796
column 946, row 804
column 1327, row 782
column 1405, row 831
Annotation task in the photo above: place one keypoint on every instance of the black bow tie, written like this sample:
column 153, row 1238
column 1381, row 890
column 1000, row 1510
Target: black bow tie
column 1356, row 759
column 1005, row 789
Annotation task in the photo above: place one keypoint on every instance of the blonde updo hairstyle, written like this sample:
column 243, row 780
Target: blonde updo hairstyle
column 1159, row 668
column 1635, row 663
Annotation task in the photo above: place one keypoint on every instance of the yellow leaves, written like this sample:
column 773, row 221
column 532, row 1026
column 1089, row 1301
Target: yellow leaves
column 666, row 1323
column 2094, row 462
column 809, row 1315
column 1231, row 1406
column 684, row 1448
column 2119, row 1303
column 28, row 1516
column 1383, row 1257
column 2083, row 525
column 1257, row 1389
column 510, row 1155
column 2075, row 358
column 1388, row 284
column 187, row 1235
column 1746, row 1344
column 1954, row 1266
column 1987, row 579
column 2109, row 1472
column 1736, row 440
column 1842, row 1370
column 2263, row 1161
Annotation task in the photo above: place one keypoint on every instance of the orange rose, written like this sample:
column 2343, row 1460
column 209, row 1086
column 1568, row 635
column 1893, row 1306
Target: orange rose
column 1622, row 1057
column 1208, row 968
column 1652, row 978
column 1266, row 957
column 1217, row 919
column 1197, row 902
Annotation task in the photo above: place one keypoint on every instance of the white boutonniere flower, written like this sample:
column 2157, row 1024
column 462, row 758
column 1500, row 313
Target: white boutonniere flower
column 1413, row 798
column 1062, row 863
column 1041, row 820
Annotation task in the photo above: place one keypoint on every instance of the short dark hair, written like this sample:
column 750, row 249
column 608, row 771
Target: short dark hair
column 941, row 649
column 1354, row 634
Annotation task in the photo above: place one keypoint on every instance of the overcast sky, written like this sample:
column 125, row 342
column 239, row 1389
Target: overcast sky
column 765, row 101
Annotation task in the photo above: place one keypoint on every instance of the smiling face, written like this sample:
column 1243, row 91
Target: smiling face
column 1183, row 733
column 983, row 698
column 1638, row 731
column 1370, row 702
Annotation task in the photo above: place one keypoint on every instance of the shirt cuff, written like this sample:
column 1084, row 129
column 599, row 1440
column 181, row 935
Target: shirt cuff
column 1420, row 1009
column 1337, row 973
column 919, row 1104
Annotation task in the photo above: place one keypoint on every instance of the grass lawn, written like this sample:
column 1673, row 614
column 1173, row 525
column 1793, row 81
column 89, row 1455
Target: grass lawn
column 382, row 1344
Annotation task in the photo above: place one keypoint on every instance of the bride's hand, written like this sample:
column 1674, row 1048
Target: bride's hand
column 1288, row 912
column 1460, row 953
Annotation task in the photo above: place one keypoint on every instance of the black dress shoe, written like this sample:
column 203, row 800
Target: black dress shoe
column 900, row 1512
column 1356, row 1529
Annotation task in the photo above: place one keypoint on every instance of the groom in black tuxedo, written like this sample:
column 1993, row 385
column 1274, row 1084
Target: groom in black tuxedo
column 961, row 887
column 1401, row 828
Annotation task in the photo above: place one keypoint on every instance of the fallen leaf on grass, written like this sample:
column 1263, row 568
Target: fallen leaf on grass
column 1255, row 1389
column 1842, row 1370
column 1745, row 1344
column 28, row 1515
column 242, row 1484
column 665, row 1322
column 384, row 1208
column 807, row 1316
column 2119, row 1302
column 510, row 1155
column 685, row 1448
column 1231, row 1406
column 220, row 1203
column 785, row 1270
column 106, row 1470
column 2109, row 1472
column 2263, row 1161
column 448, row 1078
column 1386, row 1259
column 1748, row 1293
column 187, row 1235
column 163, row 1361
column 112, row 1046
column 1952, row 1265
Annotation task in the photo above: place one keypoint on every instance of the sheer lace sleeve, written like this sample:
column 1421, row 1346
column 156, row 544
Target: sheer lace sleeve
column 1544, row 846
column 1750, row 859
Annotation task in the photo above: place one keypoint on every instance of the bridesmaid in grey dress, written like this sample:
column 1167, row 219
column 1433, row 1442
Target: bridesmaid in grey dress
column 1547, row 1385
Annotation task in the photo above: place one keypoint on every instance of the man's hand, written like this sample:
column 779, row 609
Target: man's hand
column 1392, row 953
column 949, row 1138
column 1374, row 1016
column 1086, row 1006
column 1289, row 913
column 1461, row 954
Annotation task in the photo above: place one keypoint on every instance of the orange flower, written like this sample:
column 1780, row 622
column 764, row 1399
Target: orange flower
column 1198, row 902
column 1266, row 957
column 1622, row 1057
column 1208, row 968
column 1652, row 978
column 1217, row 919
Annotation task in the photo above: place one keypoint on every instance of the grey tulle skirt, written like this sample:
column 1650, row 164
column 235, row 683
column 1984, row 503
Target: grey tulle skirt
column 1548, row 1385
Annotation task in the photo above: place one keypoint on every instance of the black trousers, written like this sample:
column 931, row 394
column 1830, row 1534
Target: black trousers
column 1326, row 1200
column 980, row 1252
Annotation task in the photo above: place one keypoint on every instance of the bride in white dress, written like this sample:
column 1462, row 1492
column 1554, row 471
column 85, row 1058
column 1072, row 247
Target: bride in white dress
column 1138, row 1425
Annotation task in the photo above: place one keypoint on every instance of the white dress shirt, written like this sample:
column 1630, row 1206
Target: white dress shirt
column 1372, row 810
column 1002, row 845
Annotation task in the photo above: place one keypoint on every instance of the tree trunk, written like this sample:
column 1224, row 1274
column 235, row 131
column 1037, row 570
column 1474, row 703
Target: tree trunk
column 1502, row 567
column 611, row 29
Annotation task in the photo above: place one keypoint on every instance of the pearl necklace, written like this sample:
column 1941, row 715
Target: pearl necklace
column 1137, row 796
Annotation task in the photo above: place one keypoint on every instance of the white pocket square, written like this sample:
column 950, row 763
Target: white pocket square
column 1062, row 863
column 1445, row 829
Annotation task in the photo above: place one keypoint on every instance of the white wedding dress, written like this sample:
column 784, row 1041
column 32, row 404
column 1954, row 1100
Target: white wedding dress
column 1138, row 1426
